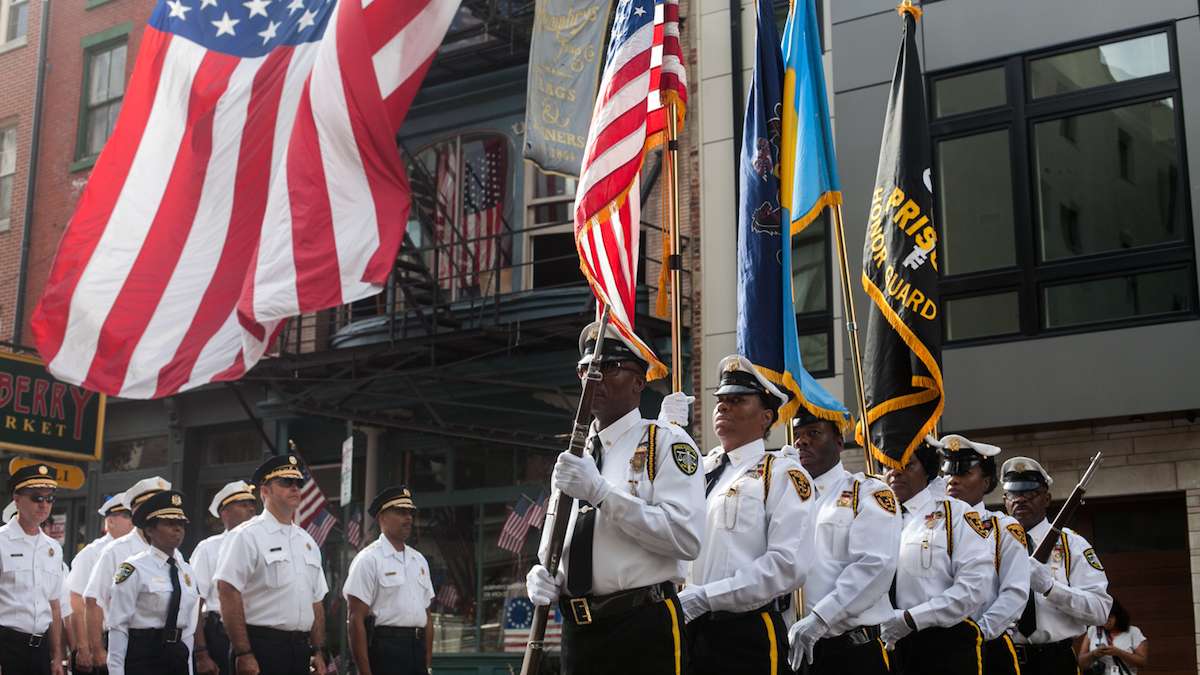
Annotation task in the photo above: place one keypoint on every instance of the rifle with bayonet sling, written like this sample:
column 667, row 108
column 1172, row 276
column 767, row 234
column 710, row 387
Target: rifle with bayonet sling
column 1067, row 513
column 561, row 503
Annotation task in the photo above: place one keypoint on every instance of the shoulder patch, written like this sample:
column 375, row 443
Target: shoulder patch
column 124, row 571
column 886, row 500
column 1093, row 560
column 686, row 458
column 981, row 528
column 1018, row 533
column 800, row 482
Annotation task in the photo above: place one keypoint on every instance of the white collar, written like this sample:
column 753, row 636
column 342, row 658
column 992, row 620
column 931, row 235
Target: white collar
column 613, row 432
column 272, row 523
column 916, row 502
column 391, row 551
column 1039, row 531
column 827, row 480
column 743, row 455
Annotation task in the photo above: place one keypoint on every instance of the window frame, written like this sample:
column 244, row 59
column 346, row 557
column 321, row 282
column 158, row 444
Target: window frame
column 1029, row 276
column 20, row 40
column 820, row 321
column 6, row 223
column 92, row 46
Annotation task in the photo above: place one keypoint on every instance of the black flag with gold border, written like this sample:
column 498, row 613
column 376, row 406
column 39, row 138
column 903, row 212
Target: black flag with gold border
column 903, row 377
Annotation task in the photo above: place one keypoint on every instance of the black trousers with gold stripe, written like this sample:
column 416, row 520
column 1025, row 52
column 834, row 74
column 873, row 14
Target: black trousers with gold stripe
column 957, row 650
column 835, row 657
column 1000, row 657
column 753, row 643
column 647, row 640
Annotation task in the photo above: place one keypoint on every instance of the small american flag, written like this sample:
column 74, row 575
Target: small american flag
column 447, row 596
column 354, row 530
column 313, row 514
column 516, row 528
column 538, row 515
column 320, row 526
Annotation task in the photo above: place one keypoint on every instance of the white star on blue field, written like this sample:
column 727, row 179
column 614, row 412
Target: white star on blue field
column 245, row 28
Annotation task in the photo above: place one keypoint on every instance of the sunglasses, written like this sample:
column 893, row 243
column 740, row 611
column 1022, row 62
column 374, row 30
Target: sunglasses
column 40, row 499
column 607, row 368
column 289, row 482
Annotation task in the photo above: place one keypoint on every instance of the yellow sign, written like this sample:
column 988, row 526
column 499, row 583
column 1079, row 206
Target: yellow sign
column 69, row 477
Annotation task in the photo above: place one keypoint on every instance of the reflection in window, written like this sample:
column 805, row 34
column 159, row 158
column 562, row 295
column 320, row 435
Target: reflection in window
column 140, row 453
column 1135, row 295
column 967, row 93
column 1112, row 180
column 814, row 352
column 810, row 275
column 975, row 200
column 982, row 316
column 229, row 446
column 1100, row 65
column 447, row 538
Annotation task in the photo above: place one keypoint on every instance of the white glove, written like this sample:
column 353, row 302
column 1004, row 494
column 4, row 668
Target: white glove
column 694, row 601
column 1041, row 578
column 541, row 588
column 893, row 629
column 578, row 477
column 803, row 637
column 676, row 409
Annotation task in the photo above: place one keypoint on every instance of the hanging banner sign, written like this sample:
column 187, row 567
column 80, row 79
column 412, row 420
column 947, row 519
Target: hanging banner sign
column 347, row 470
column 40, row 415
column 69, row 477
column 564, row 71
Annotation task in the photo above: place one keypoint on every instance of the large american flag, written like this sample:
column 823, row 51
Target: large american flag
column 252, row 176
column 643, row 73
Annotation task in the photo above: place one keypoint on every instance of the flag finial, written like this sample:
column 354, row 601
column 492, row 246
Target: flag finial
column 907, row 7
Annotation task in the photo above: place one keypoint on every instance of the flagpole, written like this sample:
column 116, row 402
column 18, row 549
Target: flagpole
column 852, row 332
column 674, row 259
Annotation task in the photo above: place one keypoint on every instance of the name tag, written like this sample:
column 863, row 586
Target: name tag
column 16, row 555
column 276, row 549
column 390, row 574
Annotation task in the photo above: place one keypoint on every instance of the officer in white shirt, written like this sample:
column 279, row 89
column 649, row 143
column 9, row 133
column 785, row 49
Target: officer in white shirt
column 758, row 526
column 1067, row 594
column 971, row 473
column 271, row 583
column 233, row 504
column 855, row 539
column 118, row 522
column 389, row 580
column 64, row 599
column 942, row 578
column 152, row 605
column 639, row 519
column 30, row 579
column 117, row 551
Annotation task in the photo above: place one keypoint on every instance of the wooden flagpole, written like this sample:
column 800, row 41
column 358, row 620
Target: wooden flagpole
column 674, row 259
column 852, row 332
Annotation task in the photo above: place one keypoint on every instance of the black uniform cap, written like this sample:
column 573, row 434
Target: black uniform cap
column 166, row 505
column 32, row 476
column 279, row 466
column 616, row 347
column 391, row 498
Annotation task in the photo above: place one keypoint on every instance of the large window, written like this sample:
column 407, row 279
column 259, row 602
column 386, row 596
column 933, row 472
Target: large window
column 812, row 296
column 14, row 22
column 8, row 170
column 1062, row 191
column 103, row 91
column 550, row 241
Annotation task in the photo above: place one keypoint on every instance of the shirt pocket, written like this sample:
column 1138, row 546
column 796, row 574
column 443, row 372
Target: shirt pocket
column 391, row 577
column 742, row 507
column 833, row 531
column 312, row 565
column 278, row 564
column 923, row 554
column 155, row 597
column 18, row 570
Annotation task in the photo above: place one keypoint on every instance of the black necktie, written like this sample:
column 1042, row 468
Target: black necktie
column 579, row 567
column 892, row 590
column 711, row 478
column 176, row 595
column 1027, row 624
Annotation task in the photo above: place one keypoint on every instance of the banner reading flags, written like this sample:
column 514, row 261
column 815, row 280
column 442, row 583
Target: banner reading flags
column 900, row 274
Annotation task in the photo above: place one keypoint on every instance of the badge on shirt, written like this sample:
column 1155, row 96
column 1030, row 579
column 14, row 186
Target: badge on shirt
column 187, row 579
column 931, row 520
column 686, row 458
column 123, row 572
column 981, row 528
column 1090, row 556
column 50, row 553
column 638, row 462
column 800, row 482
column 886, row 501
column 1018, row 533
column 846, row 499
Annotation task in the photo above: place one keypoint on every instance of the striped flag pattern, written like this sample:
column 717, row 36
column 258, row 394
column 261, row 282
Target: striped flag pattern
column 516, row 526
column 643, row 74
column 252, row 176
column 313, row 513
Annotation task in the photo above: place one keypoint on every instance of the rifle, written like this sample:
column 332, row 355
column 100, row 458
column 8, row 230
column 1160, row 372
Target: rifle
column 561, row 503
column 1066, row 513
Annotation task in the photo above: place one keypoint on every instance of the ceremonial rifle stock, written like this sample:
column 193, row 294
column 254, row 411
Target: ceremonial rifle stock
column 561, row 503
column 1066, row 513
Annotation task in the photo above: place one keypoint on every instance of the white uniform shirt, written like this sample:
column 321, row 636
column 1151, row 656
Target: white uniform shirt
column 1005, row 599
column 1079, row 597
column 140, row 599
column 758, row 522
column 30, row 578
column 64, row 598
column 82, row 564
column 117, row 551
column 204, row 561
column 645, row 530
column 277, row 569
column 394, row 584
column 855, row 536
column 1127, row 641
column 945, row 565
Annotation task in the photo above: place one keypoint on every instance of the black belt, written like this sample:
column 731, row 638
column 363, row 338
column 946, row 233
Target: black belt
column 277, row 635
column 29, row 639
column 851, row 638
column 167, row 636
column 779, row 604
column 1028, row 651
column 399, row 632
column 589, row 608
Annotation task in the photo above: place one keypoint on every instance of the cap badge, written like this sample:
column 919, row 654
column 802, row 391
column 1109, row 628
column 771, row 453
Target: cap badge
column 291, row 460
column 176, row 500
column 43, row 470
column 955, row 445
column 1020, row 466
column 732, row 367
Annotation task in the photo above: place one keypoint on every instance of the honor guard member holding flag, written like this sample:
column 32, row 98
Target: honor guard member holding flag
column 971, row 473
column 389, row 580
column 233, row 504
column 31, row 579
column 755, row 538
column 942, row 578
column 118, row 522
column 639, row 517
column 100, row 581
column 855, row 539
column 1068, row 594
column 152, row 607
column 271, row 583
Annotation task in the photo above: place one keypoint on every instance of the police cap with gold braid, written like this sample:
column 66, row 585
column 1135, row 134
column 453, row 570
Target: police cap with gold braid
column 279, row 466
column 166, row 505
column 391, row 498
column 616, row 347
column 32, row 476
column 237, row 491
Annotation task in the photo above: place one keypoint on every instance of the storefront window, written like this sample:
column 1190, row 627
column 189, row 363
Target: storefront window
column 140, row 453
column 231, row 446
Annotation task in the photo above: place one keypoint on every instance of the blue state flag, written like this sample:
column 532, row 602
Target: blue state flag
column 766, row 325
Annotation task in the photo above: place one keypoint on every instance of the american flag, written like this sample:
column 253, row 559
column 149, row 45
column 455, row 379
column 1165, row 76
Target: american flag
column 445, row 214
column 447, row 596
column 354, row 529
column 483, row 206
column 516, row 527
column 518, row 617
column 643, row 73
column 252, row 176
column 313, row 514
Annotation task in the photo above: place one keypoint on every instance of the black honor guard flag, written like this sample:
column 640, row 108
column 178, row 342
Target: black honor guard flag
column 903, row 378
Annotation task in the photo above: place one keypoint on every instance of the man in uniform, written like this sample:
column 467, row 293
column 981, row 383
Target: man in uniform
column 30, row 579
column 115, row 552
column 855, row 538
column 1066, row 595
column 271, row 583
column 639, row 518
column 757, row 529
column 117, row 524
column 233, row 504
column 389, row 580
column 971, row 473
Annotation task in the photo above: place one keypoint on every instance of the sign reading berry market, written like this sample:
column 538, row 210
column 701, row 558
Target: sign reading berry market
column 40, row 415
